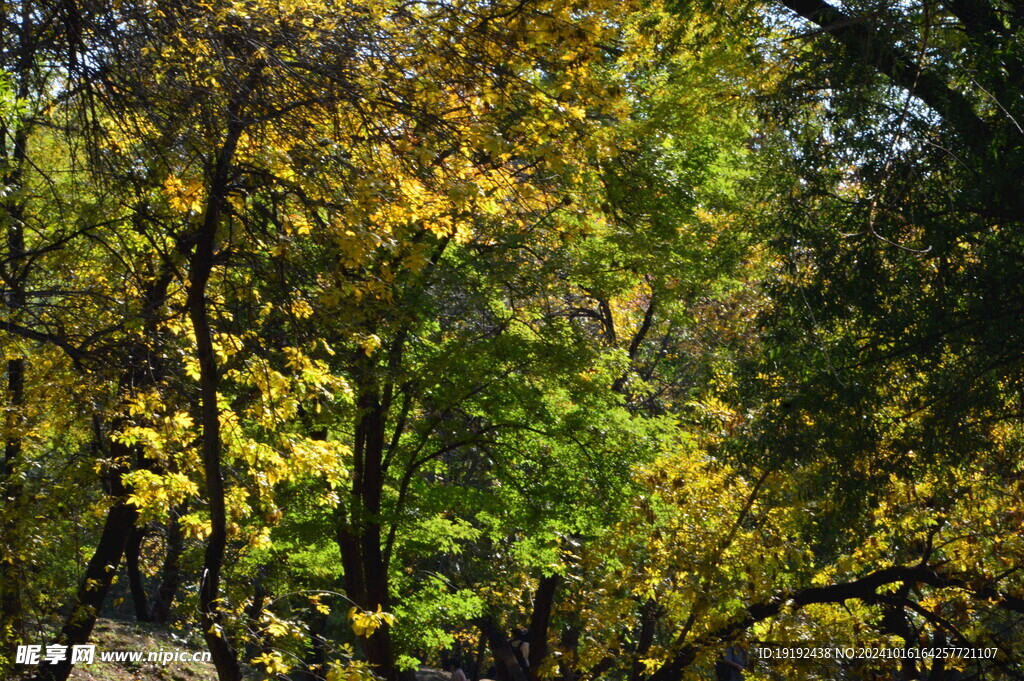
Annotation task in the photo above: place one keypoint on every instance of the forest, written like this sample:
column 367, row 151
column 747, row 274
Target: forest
column 678, row 339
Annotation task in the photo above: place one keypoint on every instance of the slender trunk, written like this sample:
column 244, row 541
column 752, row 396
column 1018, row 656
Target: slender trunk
column 135, row 583
column 478, row 661
column 570, row 645
column 315, row 662
column 360, row 533
column 543, row 602
column 351, row 558
column 11, row 491
column 378, row 646
column 224, row 658
column 170, row 571
column 146, row 370
column 894, row 621
column 649, row 615
column 99, row 574
column 14, row 275
column 257, row 641
column 938, row 669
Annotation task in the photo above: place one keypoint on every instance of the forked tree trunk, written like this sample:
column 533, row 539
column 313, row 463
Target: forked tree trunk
column 360, row 535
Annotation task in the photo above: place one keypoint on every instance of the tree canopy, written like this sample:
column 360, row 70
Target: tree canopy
column 680, row 340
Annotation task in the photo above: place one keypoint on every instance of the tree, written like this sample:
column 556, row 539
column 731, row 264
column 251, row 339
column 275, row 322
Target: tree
column 905, row 139
column 886, row 358
column 364, row 304
column 230, row 185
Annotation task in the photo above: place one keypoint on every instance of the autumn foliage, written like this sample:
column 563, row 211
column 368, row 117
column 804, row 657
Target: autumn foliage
column 351, row 336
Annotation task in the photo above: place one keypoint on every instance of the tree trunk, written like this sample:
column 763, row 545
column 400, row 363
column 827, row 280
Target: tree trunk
column 505, row 663
column 315, row 662
column 143, row 371
column 170, row 572
column 649, row 616
column 11, row 494
column 570, row 646
column 360, row 533
column 543, row 601
column 98, row 576
column 14, row 274
column 135, row 583
column 478, row 662
column 201, row 266
column 257, row 643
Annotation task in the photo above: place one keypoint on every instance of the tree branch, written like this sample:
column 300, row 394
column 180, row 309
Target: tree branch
column 864, row 45
column 864, row 588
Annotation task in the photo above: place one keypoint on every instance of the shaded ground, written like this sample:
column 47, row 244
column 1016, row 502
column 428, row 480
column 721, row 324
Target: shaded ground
column 112, row 636
column 428, row 674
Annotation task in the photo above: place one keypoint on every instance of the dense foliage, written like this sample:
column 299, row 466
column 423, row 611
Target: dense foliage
column 353, row 336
